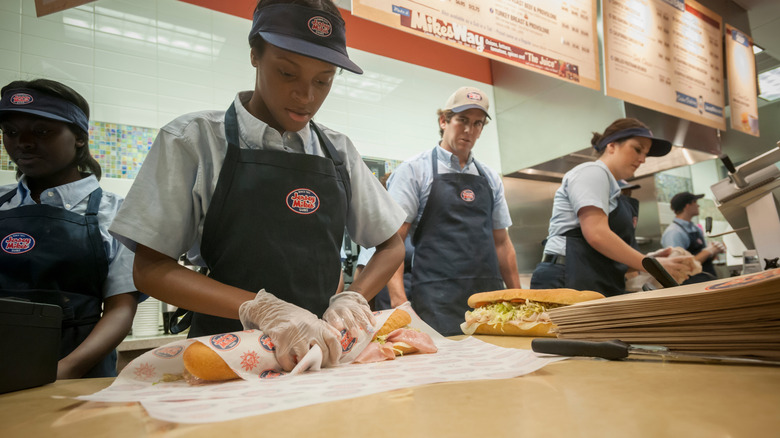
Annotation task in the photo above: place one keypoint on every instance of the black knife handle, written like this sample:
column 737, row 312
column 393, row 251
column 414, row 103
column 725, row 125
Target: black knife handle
column 568, row 347
column 654, row 268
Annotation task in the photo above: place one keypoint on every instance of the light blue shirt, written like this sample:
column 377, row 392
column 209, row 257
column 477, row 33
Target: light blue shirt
column 410, row 185
column 589, row 184
column 75, row 197
column 675, row 235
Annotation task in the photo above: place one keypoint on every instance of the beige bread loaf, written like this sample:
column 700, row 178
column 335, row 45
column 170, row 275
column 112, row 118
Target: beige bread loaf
column 539, row 330
column 556, row 296
column 398, row 319
column 205, row 364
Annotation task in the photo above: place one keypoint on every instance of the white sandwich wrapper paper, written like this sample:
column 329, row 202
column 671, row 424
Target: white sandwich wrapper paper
column 265, row 388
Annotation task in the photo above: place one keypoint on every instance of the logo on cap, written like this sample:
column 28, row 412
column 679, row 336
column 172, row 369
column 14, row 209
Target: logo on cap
column 21, row 99
column 303, row 201
column 17, row 243
column 473, row 95
column 320, row 26
column 467, row 195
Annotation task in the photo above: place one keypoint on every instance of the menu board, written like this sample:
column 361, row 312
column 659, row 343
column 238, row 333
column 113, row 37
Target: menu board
column 666, row 55
column 741, row 74
column 553, row 37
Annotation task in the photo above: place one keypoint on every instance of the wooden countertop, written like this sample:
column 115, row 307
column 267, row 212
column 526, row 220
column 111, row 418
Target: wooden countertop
column 578, row 397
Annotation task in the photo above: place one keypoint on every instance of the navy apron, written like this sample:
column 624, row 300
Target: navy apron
column 54, row 256
column 276, row 222
column 696, row 246
column 588, row 269
column 454, row 250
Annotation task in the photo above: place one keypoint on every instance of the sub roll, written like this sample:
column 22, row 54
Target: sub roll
column 519, row 312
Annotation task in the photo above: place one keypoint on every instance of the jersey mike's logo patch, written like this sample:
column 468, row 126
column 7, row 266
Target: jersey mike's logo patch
column 320, row 26
column 473, row 96
column 467, row 195
column 21, row 99
column 17, row 243
column 225, row 341
column 303, row 201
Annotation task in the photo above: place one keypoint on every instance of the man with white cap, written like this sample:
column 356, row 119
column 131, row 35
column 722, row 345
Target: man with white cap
column 458, row 218
column 261, row 195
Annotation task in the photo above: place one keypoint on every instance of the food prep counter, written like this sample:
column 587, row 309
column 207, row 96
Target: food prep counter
column 577, row 397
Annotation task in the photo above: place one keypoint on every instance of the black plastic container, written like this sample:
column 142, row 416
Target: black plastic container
column 30, row 344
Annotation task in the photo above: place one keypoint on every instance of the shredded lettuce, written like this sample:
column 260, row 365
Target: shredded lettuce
column 497, row 314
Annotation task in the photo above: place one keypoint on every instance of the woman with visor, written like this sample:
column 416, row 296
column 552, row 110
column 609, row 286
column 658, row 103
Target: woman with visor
column 591, row 229
column 261, row 195
column 55, row 247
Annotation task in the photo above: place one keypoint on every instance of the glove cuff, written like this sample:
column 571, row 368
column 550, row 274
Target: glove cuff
column 348, row 294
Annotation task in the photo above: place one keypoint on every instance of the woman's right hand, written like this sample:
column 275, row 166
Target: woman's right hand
column 679, row 267
column 292, row 329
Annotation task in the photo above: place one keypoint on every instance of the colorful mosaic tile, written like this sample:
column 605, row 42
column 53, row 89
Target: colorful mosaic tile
column 120, row 149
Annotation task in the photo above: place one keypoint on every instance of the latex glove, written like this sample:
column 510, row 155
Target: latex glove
column 716, row 248
column 349, row 310
column 292, row 329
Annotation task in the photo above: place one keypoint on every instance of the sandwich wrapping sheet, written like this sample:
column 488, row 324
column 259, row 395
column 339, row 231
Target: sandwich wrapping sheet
column 154, row 378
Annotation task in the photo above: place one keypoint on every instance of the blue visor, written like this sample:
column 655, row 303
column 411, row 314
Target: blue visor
column 37, row 103
column 658, row 148
column 305, row 31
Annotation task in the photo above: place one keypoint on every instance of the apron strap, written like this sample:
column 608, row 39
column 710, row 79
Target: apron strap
column 333, row 154
column 7, row 197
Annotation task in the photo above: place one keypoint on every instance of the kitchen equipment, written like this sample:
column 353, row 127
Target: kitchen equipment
column 30, row 343
column 616, row 349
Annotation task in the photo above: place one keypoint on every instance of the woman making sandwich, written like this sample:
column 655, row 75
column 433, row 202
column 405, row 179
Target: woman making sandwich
column 261, row 195
column 588, row 245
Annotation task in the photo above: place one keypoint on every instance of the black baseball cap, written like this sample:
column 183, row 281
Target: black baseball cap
column 38, row 103
column 305, row 31
column 680, row 200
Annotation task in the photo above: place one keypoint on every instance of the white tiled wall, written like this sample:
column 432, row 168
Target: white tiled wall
column 144, row 62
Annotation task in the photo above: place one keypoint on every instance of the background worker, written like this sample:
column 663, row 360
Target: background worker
column 59, row 208
column 684, row 233
column 457, row 216
column 591, row 229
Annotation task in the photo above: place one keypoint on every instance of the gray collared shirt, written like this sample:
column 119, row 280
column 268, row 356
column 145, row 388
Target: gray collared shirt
column 166, row 207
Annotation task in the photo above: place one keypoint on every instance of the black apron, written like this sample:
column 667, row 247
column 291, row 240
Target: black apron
column 52, row 255
column 695, row 246
column 588, row 269
column 454, row 251
column 276, row 222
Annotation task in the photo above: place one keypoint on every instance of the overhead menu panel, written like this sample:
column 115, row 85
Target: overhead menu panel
column 553, row 37
column 741, row 74
column 666, row 55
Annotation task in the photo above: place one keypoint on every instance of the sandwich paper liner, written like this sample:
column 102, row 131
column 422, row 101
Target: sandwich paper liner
column 153, row 378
